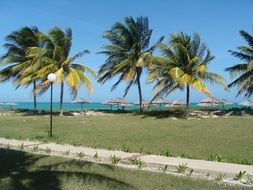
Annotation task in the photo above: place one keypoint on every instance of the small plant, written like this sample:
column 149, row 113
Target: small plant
column 35, row 148
column 80, row 155
column 126, row 148
column 22, row 147
column 8, row 146
column 67, row 152
column 182, row 168
column 166, row 153
column 141, row 150
column 137, row 161
column 220, row 177
column 165, row 168
column 114, row 159
column 239, row 176
column 96, row 157
column 191, row 171
column 48, row 150
column 215, row 157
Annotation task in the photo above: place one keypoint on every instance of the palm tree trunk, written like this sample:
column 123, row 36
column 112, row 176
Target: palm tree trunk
column 61, row 99
column 34, row 96
column 139, row 89
column 187, row 97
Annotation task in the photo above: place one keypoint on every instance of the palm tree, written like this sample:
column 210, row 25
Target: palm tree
column 243, row 71
column 55, row 58
column 183, row 64
column 128, row 53
column 17, row 61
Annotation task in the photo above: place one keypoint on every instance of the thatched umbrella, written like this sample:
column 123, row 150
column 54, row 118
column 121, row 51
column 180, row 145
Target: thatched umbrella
column 116, row 101
column 178, row 103
column 144, row 103
column 210, row 101
column 224, row 102
column 159, row 101
column 247, row 103
column 80, row 101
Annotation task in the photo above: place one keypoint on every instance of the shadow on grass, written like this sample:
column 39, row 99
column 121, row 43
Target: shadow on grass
column 19, row 171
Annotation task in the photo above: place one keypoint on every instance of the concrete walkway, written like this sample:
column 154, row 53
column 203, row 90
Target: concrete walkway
column 200, row 168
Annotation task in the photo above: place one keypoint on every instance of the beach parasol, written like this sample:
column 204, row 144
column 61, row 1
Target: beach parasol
column 247, row 103
column 160, row 100
column 224, row 102
column 210, row 101
column 117, row 101
column 144, row 103
column 80, row 101
column 178, row 103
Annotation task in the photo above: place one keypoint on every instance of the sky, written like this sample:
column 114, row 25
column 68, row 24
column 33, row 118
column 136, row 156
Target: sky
column 217, row 21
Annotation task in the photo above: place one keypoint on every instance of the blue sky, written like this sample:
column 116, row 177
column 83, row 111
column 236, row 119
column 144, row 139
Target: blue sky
column 217, row 21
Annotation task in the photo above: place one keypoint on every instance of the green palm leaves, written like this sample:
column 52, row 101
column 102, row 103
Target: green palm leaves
column 32, row 55
column 17, row 63
column 243, row 71
column 55, row 58
column 128, row 53
column 184, row 63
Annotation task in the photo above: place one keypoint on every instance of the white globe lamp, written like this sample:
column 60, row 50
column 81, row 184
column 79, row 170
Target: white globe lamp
column 51, row 77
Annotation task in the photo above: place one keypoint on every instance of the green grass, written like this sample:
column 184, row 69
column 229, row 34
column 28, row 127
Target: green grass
column 229, row 137
column 20, row 170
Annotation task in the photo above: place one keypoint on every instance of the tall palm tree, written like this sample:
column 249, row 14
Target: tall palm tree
column 243, row 71
column 128, row 53
column 184, row 64
column 16, row 60
column 55, row 58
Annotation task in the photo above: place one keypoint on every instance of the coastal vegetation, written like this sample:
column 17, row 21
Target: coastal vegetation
column 183, row 64
column 128, row 54
column 243, row 71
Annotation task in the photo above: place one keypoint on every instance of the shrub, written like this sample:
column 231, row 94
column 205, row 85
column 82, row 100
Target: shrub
column 35, row 148
column 80, row 155
column 166, row 153
column 48, row 150
column 137, row 161
column 182, row 168
column 240, row 175
column 220, row 177
column 114, row 159
column 22, row 147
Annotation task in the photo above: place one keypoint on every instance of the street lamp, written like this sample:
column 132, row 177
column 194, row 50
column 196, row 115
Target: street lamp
column 51, row 78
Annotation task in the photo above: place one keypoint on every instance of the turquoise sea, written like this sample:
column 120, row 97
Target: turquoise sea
column 90, row 106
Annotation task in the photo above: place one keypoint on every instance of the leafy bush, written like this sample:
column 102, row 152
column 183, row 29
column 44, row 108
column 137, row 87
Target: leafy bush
column 80, row 155
column 35, row 148
column 48, row 150
column 137, row 161
column 166, row 153
column 22, row 147
column 182, row 168
column 240, row 175
column 114, row 159
column 220, row 177
column 216, row 157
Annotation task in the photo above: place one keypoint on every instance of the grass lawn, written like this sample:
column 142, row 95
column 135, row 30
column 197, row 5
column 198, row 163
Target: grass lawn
column 230, row 137
column 21, row 170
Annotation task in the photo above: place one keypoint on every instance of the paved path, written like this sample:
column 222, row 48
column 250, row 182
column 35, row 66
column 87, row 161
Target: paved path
column 152, row 162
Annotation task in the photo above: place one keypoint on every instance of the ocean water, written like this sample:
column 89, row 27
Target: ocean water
column 90, row 106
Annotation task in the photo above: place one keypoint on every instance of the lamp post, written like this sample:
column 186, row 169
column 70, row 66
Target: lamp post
column 51, row 78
